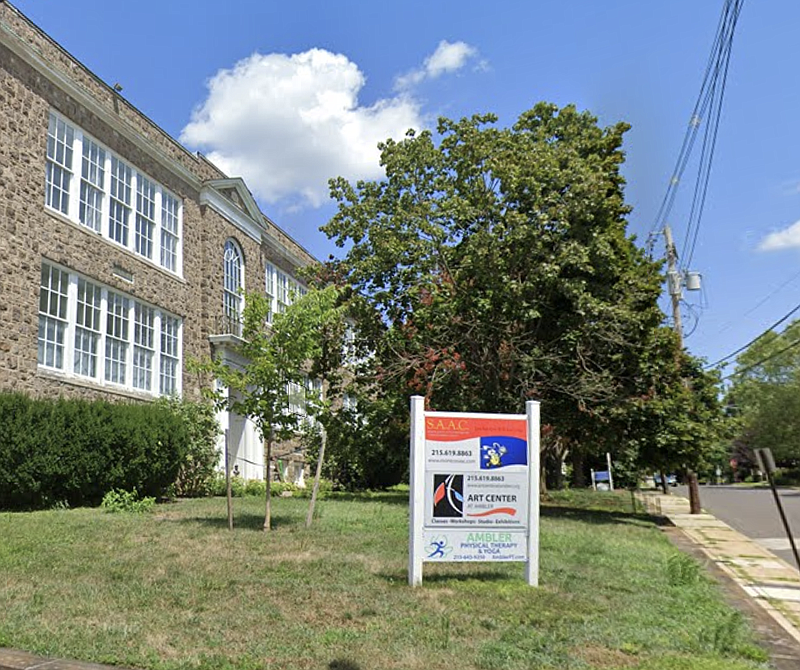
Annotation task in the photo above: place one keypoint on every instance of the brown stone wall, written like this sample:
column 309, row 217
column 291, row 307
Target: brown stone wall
column 30, row 233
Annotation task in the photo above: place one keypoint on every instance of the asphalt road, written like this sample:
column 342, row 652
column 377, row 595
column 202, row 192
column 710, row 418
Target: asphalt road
column 754, row 513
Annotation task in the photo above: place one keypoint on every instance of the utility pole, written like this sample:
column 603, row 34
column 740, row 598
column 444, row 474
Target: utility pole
column 675, row 287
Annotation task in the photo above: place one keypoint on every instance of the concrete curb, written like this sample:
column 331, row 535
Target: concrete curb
column 767, row 579
column 13, row 659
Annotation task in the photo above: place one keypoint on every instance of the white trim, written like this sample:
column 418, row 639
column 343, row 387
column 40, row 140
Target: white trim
column 220, row 204
column 532, row 411
column 416, row 491
column 136, row 174
column 67, row 370
column 22, row 49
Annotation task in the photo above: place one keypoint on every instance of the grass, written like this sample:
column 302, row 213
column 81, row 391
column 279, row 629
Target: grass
column 175, row 589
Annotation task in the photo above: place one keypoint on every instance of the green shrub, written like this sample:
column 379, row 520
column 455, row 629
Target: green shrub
column 255, row 487
column 71, row 452
column 258, row 488
column 118, row 500
column 196, row 476
column 326, row 487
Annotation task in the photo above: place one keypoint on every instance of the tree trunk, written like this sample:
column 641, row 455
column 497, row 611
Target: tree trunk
column 664, row 489
column 543, row 476
column 323, row 438
column 268, row 477
column 578, row 476
column 228, row 490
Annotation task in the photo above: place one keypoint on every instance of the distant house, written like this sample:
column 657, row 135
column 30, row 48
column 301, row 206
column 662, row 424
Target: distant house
column 122, row 254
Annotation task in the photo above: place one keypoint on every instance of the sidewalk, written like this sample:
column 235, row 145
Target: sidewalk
column 767, row 579
column 12, row 659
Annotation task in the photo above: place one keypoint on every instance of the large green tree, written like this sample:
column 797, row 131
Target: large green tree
column 675, row 421
column 500, row 267
column 764, row 396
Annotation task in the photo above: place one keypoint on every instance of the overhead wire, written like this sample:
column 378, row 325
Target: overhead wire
column 715, row 99
column 723, row 36
column 761, row 302
column 774, row 354
column 755, row 339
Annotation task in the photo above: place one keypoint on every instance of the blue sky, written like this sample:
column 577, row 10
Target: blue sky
column 288, row 94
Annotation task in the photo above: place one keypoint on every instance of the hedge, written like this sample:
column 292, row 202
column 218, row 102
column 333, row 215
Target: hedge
column 74, row 451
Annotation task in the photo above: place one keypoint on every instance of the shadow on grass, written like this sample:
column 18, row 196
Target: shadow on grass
column 483, row 575
column 246, row 521
column 343, row 664
column 388, row 497
column 598, row 517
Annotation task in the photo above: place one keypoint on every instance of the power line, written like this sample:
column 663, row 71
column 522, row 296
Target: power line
column 720, row 51
column 761, row 302
column 763, row 360
column 714, row 100
column 755, row 339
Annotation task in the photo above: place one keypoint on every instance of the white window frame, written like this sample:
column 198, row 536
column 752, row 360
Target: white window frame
column 98, row 189
column 123, row 338
column 281, row 290
column 233, row 286
column 269, row 290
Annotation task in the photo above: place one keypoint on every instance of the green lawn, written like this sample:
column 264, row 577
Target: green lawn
column 175, row 589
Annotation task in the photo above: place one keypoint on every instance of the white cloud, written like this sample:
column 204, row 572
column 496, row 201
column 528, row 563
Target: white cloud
column 787, row 238
column 287, row 123
column 448, row 57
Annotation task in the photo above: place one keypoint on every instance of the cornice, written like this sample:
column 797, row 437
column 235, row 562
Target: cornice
column 28, row 55
column 219, row 203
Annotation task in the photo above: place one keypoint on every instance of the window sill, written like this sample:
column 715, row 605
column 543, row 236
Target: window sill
column 83, row 382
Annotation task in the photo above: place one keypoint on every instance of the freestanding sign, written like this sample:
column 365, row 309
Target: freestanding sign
column 474, row 488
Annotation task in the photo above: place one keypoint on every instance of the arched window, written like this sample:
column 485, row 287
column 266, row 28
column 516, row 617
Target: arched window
column 232, row 291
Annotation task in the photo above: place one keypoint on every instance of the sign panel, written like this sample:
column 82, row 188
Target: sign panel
column 475, row 545
column 465, row 499
column 474, row 481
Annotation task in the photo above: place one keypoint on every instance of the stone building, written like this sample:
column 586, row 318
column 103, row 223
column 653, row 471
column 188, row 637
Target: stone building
column 122, row 254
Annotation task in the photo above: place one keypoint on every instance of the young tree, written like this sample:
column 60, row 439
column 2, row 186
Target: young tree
column 276, row 357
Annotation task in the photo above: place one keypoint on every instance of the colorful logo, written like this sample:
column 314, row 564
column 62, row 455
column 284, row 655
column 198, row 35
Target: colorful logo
column 500, row 451
column 448, row 496
column 439, row 548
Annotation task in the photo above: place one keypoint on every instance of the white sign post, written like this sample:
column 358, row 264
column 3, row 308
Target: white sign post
column 474, row 488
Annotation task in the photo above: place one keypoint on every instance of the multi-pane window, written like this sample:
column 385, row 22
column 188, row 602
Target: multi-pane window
column 296, row 395
column 117, row 320
column 60, row 138
column 91, row 186
column 232, row 288
column 143, row 347
column 120, row 206
column 269, row 289
column 170, row 209
column 145, row 216
column 52, row 316
column 93, row 173
column 95, row 333
column 170, row 357
column 87, row 328
column 281, row 289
